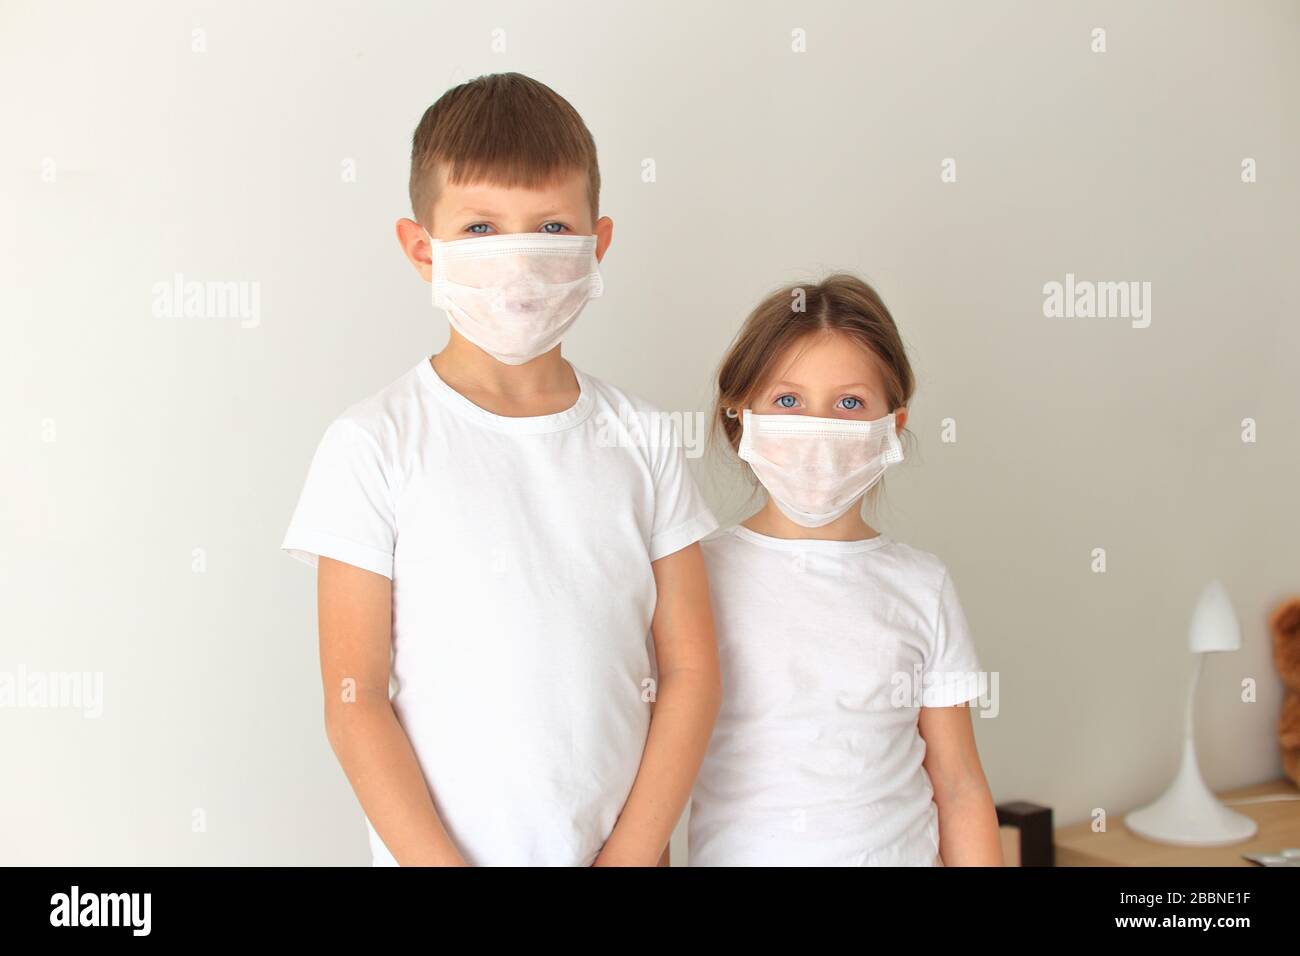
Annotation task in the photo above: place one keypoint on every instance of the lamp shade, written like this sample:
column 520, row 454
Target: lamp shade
column 1214, row 623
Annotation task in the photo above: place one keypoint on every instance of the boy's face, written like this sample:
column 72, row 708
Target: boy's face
column 466, row 210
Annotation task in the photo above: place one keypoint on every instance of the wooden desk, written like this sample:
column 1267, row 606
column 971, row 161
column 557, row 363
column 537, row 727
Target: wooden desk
column 1279, row 827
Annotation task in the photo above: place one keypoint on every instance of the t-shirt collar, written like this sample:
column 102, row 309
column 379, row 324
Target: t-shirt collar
column 822, row 545
column 533, row 424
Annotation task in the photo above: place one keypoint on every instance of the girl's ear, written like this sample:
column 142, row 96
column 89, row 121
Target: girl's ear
column 900, row 419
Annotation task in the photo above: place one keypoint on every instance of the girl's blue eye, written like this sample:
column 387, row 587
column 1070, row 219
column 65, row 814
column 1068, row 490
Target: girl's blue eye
column 850, row 403
column 477, row 227
column 787, row 401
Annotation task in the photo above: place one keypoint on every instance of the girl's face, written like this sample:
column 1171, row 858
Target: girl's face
column 827, row 375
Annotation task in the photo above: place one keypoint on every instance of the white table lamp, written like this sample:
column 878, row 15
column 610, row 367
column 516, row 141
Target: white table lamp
column 1188, row 814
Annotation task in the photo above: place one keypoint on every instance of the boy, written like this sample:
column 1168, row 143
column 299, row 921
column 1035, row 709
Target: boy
column 537, row 581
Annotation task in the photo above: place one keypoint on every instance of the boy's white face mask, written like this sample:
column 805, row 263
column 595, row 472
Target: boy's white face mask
column 816, row 468
column 515, row 296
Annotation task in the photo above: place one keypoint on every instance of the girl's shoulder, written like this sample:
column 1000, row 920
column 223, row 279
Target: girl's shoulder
column 719, row 533
column 713, row 544
column 925, row 568
column 914, row 557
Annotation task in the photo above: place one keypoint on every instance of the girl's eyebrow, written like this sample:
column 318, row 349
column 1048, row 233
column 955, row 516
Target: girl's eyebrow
column 795, row 385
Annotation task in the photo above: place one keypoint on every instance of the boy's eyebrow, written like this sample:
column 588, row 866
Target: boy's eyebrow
column 490, row 213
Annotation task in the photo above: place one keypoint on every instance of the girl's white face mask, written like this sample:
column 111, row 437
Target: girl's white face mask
column 515, row 296
column 816, row 468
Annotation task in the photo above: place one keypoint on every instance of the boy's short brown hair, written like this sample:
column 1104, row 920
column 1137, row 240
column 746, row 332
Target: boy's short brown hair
column 504, row 128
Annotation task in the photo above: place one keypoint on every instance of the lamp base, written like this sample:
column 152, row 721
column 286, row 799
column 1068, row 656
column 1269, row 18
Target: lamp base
column 1189, row 815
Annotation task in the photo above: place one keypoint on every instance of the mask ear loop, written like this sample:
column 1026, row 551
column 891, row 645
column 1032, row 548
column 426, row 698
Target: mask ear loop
column 893, row 454
column 433, row 258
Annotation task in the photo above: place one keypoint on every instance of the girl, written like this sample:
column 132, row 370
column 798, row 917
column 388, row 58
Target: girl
column 846, row 657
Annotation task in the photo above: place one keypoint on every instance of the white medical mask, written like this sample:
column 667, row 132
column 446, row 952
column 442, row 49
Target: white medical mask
column 814, row 469
column 515, row 296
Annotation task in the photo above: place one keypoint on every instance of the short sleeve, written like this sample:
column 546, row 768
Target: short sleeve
column 681, row 515
column 952, row 672
column 345, row 511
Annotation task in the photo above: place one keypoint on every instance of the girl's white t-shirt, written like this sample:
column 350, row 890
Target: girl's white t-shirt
column 520, row 555
column 828, row 649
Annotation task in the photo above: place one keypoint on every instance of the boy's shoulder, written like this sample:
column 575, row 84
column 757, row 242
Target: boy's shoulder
column 626, row 412
column 612, row 396
column 384, row 414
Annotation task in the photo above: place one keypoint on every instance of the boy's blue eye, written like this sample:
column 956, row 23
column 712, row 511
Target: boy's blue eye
column 787, row 401
column 546, row 227
column 850, row 403
column 477, row 227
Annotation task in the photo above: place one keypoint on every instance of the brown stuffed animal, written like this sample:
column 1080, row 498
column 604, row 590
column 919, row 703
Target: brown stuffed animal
column 1285, row 625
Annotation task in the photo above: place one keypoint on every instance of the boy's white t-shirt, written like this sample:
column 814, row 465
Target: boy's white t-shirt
column 828, row 650
column 519, row 551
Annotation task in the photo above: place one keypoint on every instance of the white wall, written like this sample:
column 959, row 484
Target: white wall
column 132, row 440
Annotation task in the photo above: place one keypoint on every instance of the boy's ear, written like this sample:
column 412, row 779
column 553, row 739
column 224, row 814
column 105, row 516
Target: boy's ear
column 604, row 236
column 415, row 243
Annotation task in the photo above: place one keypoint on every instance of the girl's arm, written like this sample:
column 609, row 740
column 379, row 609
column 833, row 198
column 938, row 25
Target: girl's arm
column 688, row 697
column 968, row 821
column 356, row 609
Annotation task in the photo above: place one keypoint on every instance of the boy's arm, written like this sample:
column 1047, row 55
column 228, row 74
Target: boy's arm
column 355, row 609
column 687, row 700
column 968, row 821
